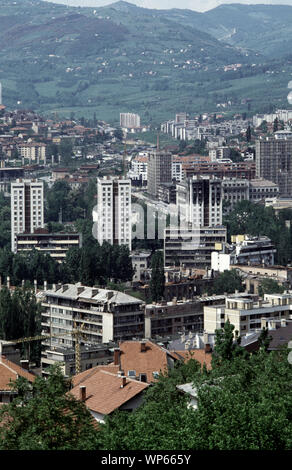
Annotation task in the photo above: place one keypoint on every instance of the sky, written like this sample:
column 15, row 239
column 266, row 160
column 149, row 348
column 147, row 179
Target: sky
column 197, row 5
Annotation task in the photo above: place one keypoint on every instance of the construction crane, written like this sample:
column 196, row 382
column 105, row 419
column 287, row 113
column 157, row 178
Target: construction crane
column 77, row 333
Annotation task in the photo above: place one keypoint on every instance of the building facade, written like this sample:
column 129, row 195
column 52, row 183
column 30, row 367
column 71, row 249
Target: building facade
column 114, row 211
column 274, row 162
column 192, row 247
column 159, row 170
column 199, row 201
column 54, row 244
column 103, row 315
column 246, row 312
column 27, row 208
column 129, row 120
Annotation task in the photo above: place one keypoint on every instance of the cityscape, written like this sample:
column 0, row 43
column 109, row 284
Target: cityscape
column 146, row 275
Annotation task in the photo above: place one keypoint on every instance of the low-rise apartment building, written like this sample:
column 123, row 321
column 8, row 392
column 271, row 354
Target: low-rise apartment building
column 246, row 312
column 90, row 356
column 103, row 315
column 192, row 247
column 54, row 244
column 165, row 319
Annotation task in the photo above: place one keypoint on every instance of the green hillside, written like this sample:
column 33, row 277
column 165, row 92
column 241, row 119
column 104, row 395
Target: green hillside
column 122, row 58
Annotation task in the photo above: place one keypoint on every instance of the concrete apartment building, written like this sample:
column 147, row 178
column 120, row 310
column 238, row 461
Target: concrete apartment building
column 34, row 151
column 54, row 244
column 261, row 189
column 104, row 315
column 164, row 319
column 159, row 170
column 199, row 201
column 234, row 190
column 246, row 312
column 129, row 120
column 219, row 153
column 27, row 208
column 274, row 162
column 192, row 247
column 244, row 250
column 90, row 356
column 114, row 211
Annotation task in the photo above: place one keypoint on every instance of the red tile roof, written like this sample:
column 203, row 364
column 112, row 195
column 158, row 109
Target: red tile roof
column 153, row 359
column 198, row 354
column 10, row 371
column 104, row 393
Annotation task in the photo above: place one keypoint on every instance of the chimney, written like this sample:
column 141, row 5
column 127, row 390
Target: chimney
column 45, row 285
column 123, row 379
column 143, row 346
column 8, row 282
column 283, row 322
column 263, row 323
column 117, row 356
column 24, row 363
column 82, row 393
column 35, row 286
column 54, row 287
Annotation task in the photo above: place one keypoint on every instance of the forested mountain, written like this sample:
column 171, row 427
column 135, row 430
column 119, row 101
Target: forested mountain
column 56, row 58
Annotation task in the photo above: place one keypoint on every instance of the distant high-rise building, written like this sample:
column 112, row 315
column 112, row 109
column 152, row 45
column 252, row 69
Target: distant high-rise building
column 274, row 161
column 159, row 170
column 129, row 120
column 27, row 207
column 114, row 211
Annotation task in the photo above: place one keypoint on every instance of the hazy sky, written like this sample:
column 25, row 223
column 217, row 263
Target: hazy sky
column 198, row 5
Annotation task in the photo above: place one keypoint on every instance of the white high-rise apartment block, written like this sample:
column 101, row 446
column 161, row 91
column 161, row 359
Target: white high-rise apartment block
column 129, row 120
column 114, row 211
column 199, row 201
column 27, row 207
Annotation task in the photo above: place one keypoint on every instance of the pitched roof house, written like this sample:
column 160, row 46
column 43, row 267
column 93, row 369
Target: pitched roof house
column 143, row 360
column 9, row 372
column 103, row 391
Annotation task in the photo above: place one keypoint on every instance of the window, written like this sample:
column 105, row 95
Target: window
column 132, row 373
column 143, row 377
column 155, row 374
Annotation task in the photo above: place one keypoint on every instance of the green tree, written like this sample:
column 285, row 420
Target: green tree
column 229, row 282
column 46, row 417
column 270, row 286
column 227, row 344
column 264, row 339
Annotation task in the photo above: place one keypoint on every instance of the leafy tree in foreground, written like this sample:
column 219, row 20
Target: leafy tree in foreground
column 45, row 417
column 227, row 344
column 236, row 409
